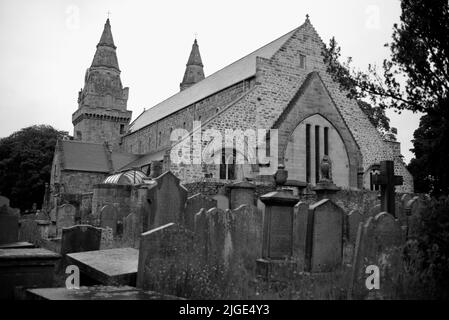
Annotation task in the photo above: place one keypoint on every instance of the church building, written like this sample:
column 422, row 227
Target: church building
column 282, row 86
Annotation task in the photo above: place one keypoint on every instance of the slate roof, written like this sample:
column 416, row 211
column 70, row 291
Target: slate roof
column 240, row 70
column 92, row 157
column 144, row 160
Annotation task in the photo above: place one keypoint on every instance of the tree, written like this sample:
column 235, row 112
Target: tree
column 25, row 164
column 415, row 78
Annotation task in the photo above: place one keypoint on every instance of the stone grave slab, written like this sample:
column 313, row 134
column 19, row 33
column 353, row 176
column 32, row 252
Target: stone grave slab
column 17, row 245
column 97, row 293
column 108, row 267
column 26, row 267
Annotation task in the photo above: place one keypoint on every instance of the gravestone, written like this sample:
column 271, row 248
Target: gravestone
column 414, row 209
column 9, row 224
column 242, row 193
column 65, row 217
column 193, row 206
column 246, row 231
column 29, row 231
column 201, row 228
column 326, row 236
column 164, row 254
column 53, row 215
column 387, row 182
column 300, row 222
column 131, row 230
column 379, row 244
column 222, row 201
column 4, row 201
column 219, row 241
column 108, row 218
column 278, row 239
column 353, row 219
column 401, row 205
column 80, row 238
column 166, row 200
column 107, row 237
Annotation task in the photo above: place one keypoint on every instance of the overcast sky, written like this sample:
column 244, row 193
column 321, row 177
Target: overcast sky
column 46, row 46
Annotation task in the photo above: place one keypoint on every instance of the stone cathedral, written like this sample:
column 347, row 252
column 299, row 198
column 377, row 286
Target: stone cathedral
column 282, row 85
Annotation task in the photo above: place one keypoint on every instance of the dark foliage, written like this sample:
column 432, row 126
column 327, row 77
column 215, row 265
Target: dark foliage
column 25, row 164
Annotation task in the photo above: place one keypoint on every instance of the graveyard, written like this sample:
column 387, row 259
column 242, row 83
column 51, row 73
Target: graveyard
column 277, row 169
column 279, row 240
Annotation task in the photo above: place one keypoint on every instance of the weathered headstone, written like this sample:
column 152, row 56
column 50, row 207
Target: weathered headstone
column 220, row 241
column 387, row 182
column 4, row 202
column 166, row 200
column 80, row 238
column 378, row 244
column 278, row 239
column 247, row 227
column 164, row 254
column 9, row 225
column 108, row 218
column 326, row 247
column 194, row 205
column 201, row 228
column 414, row 209
column 222, row 201
column 65, row 217
column 107, row 237
column 353, row 219
column 242, row 193
column 300, row 222
column 53, row 215
column 131, row 230
column 29, row 231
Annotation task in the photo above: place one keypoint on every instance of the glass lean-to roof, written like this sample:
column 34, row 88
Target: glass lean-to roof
column 129, row 177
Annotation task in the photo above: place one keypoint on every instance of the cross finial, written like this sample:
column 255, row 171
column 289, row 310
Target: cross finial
column 109, row 13
column 307, row 16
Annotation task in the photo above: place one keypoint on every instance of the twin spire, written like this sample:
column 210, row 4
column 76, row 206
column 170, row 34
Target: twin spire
column 105, row 56
column 194, row 69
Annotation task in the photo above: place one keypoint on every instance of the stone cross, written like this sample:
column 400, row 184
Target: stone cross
column 387, row 181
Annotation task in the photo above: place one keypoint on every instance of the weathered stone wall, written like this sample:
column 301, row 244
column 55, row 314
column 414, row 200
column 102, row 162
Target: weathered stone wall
column 97, row 128
column 118, row 196
column 77, row 182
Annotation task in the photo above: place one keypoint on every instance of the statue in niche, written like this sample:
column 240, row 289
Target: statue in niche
column 326, row 169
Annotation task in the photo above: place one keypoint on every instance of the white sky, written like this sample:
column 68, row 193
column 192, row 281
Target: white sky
column 46, row 46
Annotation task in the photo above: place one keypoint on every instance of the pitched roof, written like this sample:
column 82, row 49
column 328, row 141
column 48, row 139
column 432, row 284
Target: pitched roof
column 92, row 157
column 144, row 160
column 238, row 71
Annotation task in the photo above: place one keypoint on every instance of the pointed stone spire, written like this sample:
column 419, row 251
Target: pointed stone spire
column 105, row 56
column 194, row 69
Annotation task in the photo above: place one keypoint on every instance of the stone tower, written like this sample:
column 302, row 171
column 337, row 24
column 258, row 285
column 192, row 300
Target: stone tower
column 102, row 115
column 194, row 68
